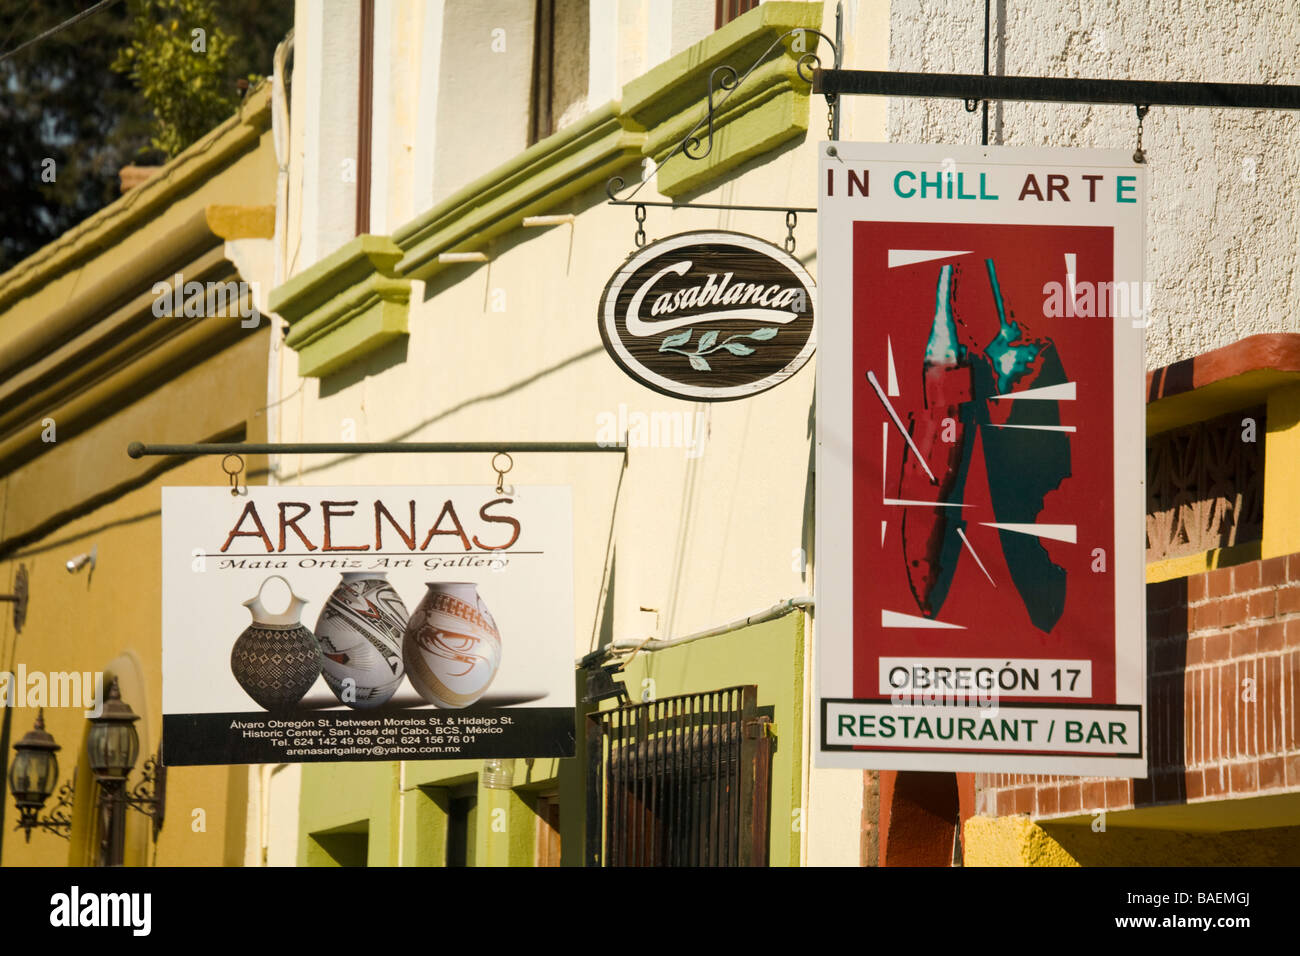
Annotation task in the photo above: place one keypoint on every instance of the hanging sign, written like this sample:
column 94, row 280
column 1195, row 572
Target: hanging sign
column 981, row 457
column 709, row 316
column 307, row 624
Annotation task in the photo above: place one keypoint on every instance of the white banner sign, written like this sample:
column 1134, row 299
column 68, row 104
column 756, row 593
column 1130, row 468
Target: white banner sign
column 367, row 623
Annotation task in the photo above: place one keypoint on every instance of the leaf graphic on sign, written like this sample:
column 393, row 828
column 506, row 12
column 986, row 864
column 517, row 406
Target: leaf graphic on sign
column 707, row 340
column 763, row 334
column 676, row 339
column 699, row 364
column 736, row 348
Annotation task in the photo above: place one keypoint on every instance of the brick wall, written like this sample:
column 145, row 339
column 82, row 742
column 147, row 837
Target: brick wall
column 1213, row 640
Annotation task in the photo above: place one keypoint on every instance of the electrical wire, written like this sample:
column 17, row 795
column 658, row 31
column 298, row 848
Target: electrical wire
column 89, row 11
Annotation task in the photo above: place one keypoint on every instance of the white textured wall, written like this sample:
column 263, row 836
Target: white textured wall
column 1223, row 218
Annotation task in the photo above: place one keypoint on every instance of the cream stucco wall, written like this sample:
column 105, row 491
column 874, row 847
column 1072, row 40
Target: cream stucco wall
column 1223, row 221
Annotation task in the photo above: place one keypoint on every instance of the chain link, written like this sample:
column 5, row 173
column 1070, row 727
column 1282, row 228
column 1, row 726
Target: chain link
column 640, row 226
column 791, row 219
column 1139, row 154
column 831, row 103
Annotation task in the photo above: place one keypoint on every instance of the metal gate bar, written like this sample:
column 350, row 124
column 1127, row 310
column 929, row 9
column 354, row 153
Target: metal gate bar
column 679, row 781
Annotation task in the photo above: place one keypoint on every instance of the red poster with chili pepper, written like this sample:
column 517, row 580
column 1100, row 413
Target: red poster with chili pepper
column 982, row 423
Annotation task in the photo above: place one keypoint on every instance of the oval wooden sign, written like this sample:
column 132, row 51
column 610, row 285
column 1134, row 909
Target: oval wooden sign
column 709, row 316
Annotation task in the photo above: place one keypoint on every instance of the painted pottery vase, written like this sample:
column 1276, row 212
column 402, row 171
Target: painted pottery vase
column 277, row 658
column 451, row 647
column 360, row 633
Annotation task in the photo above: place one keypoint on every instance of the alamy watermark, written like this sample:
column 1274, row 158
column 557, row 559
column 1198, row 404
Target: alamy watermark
column 1098, row 300
column 193, row 299
column 653, row 429
column 53, row 689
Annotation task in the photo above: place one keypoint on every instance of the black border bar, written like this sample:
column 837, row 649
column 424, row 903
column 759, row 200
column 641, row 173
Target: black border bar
column 1052, row 89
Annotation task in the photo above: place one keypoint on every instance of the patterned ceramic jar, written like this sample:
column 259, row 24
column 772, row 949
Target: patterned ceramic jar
column 451, row 647
column 360, row 633
column 277, row 658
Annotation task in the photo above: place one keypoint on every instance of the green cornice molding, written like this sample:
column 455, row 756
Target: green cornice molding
column 769, row 108
column 345, row 306
column 215, row 150
column 540, row 178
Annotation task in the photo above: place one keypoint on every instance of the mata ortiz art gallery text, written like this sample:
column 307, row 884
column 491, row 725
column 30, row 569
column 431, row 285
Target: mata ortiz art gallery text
column 322, row 525
column 949, row 182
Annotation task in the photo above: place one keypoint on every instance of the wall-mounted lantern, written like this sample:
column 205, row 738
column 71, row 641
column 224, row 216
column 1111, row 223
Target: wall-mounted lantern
column 112, row 747
column 32, row 777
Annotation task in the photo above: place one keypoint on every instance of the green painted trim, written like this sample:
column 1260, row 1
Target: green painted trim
column 345, row 306
column 769, row 109
column 540, row 178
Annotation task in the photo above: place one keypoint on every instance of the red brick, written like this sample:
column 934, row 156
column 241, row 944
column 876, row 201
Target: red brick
column 1245, row 577
column 1270, row 704
column 1216, row 647
column 1006, row 802
column 1288, row 599
column 1293, row 771
column 1218, row 583
column 1245, row 777
column 1049, row 800
column 1293, row 567
column 1245, row 640
column 1196, row 587
column 1071, row 798
column 1118, row 794
column 1228, row 712
column 1094, row 795
column 1272, row 773
column 1024, row 800
column 1205, row 617
column 1195, row 650
column 1249, row 711
column 1216, row 781
column 1261, row 604
column 1272, row 571
column 1293, row 633
column 1195, row 784
column 1291, row 677
column 1232, row 611
column 1272, row 637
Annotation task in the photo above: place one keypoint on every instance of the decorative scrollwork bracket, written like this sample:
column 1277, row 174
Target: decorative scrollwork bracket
column 723, row 81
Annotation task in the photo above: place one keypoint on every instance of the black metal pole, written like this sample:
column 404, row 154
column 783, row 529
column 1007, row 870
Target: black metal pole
column 139, row 449
column 1051, row 89
column 985, row 103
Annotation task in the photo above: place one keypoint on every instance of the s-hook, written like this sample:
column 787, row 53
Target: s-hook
column 1139, row 155
column 502, row 472
column 234, row 475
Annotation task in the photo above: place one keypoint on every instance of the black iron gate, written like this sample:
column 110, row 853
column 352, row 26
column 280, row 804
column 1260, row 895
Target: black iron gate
column 681, row 781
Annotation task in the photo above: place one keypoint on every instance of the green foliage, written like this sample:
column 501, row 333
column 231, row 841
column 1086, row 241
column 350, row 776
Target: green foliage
column 178, row 58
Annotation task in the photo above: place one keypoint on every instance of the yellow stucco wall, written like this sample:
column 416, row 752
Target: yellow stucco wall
column 108, row 620
column 1019, row 841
